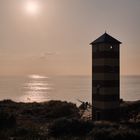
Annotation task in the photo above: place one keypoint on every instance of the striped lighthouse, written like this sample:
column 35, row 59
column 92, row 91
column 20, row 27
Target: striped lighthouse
column 105, row 78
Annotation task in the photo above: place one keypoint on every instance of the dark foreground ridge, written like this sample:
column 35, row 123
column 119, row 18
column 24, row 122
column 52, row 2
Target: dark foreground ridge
column 57, row 120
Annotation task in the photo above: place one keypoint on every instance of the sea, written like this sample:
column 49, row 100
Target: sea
column 40, row 88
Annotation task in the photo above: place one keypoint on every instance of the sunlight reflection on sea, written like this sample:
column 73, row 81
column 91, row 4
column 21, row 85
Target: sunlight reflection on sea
column 36, row 89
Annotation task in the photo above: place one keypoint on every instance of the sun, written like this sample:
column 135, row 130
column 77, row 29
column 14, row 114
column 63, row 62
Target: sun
column 32, row 7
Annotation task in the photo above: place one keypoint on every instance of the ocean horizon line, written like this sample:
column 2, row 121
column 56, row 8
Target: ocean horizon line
column 53, row 75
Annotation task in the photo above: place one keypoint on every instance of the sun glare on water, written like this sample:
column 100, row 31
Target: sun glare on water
column 36, row 89
column 35, row 76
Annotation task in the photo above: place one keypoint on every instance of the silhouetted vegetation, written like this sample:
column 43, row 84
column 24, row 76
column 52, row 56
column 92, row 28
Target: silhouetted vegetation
column 61, row 120
column 130, row 111
column 115, row 134
column 7, row 120
column 52, row 110
column 70, row 127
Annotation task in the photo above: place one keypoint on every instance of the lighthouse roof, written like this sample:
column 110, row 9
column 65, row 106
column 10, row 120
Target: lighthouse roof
column 105, row 38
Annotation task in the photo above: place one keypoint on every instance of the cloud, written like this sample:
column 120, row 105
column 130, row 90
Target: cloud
column 48, row 54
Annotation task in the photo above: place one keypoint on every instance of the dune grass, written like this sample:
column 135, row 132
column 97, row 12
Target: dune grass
column 57, row 120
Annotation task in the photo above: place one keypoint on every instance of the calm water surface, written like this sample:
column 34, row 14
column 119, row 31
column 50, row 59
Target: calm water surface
column 70, row 88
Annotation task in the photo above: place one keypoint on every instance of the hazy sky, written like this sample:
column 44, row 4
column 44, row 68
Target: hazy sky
column 54, row 39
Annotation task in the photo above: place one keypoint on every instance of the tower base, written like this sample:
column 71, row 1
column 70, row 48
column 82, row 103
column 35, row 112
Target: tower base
column 105, row 114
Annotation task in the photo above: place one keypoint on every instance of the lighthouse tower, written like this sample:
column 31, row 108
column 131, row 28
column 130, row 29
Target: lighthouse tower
column 105, row 78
